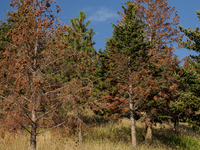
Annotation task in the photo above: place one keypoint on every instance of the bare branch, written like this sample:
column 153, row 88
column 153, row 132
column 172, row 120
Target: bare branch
column 30, row 68
column 27, row 116
column 52, row 127
column 16, row 103
column 55, row 90
column 59, row 104
column 71, row 66
column 19, row 132
column 141, row 118
column 18, row 94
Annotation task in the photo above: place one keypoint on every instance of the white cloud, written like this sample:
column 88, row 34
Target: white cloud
column 102, row 14
column 88, row 9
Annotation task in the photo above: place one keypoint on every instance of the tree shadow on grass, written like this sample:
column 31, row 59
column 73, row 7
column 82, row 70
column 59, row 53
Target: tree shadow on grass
column 162, row 137
column 175, row 140
column 107, row 130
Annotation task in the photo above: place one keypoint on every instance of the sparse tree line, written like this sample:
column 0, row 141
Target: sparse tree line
column 50, row 73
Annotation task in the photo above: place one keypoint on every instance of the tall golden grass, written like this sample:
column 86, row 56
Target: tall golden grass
column 108, row 135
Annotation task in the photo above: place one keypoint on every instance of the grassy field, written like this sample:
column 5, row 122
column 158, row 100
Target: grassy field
column 108, row 135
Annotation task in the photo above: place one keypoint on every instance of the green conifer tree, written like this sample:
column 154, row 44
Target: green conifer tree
column 188, row 105
column 79, row 66
column 80, row 38
column 82, row 42
column 125, row 58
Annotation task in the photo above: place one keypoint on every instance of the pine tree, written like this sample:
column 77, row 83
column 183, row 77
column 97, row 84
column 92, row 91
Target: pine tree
column 79, row 39
column 163, row 91
column 31, row 69
column 81, row 36
column 189, row 79
column 82, row 41
column 188, row 104
column 156, row 15
column 125, row 57
column 193, row 42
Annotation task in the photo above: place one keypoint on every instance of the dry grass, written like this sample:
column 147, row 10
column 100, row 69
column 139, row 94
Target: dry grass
column 108, row 136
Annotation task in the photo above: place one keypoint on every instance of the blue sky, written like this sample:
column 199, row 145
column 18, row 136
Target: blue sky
column 102, row 12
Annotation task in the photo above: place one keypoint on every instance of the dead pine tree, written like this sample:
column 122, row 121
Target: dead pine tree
column 32, row 69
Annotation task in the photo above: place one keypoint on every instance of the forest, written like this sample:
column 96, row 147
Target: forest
column 57, row 89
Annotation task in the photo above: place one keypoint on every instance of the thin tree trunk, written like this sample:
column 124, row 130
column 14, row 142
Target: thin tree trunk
column 80, row 135
column 148, row 123
column 176, row 124
column 33, row 137
column 148, row 136
column 33, row 112
column 133, row 131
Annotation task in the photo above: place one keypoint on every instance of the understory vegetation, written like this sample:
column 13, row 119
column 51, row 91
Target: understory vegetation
column 108, row 135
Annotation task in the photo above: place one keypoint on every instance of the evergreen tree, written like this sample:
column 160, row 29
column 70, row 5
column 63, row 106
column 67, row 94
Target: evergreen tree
column 163, row 91
column 193, row 43
column 162, row 29
column 125, row 57
column 189, row 102
column 162, row 65
column 82, row 41
column 79, row 40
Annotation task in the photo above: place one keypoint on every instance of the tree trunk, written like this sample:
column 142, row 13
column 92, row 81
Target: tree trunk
column 80, row 135
column 33, row 137
column 176, row 124
column 133, row 131
column 33, row 112
column 148, row 136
